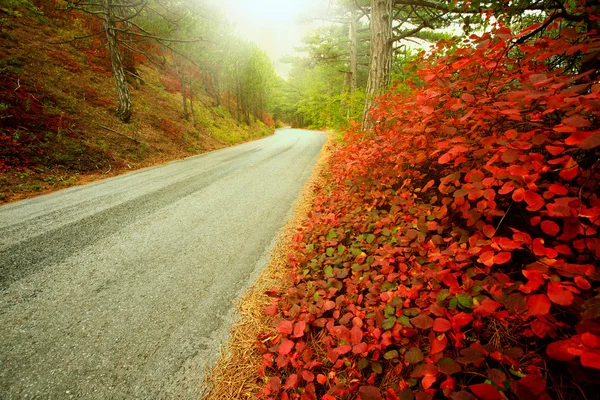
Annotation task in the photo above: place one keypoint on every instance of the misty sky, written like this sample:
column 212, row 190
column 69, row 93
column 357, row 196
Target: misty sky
column 277, row 26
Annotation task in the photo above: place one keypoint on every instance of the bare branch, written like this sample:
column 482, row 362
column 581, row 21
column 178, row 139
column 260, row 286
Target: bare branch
column 78, row 38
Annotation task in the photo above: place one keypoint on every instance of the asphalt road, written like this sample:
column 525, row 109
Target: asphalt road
column 124, row 288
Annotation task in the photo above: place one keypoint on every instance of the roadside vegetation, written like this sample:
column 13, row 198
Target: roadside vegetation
column 197, row 89
column 453, row 250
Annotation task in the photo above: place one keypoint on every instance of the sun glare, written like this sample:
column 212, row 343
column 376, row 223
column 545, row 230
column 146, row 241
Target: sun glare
column 277, row 26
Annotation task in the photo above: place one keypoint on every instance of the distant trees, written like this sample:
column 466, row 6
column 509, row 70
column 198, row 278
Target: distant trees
column 195, row 41
column 123, row 31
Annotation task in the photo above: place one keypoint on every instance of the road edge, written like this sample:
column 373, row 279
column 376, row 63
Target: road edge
column 234, row 374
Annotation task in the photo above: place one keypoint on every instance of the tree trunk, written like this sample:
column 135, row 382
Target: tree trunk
column 216, row 89
column 192, row 103
column 128, row 58
column 180, row 71
column 380, row 64
column 183, row 94
column 353, row 52
column 125, row 107
column 238, row 99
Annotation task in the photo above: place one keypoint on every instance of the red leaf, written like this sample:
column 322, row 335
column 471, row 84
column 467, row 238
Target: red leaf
column 591, row 359
column 555, row 150
column 286, row 347
column 468, row 98
column 322, row 379
column 559, row 295
column 356, row 335
column 559, row 351
column 582, row 283
column 497, row 376
column 290, row 382
column 369, row 393
column 360, row 348
column 438, row 344
column 427, row 381
column 577, row 121
column 534, row 200
column 577, row 138
column 308, row 376
column 485, row 391
column 441, row 325
column 502, row 258
column 445, row 158
column 558, row 189
column 569, row 174
column 489, row 231
column 422, row 321
column 550, row 227
column 510, row 156
column 590, row 340
column 518, row 195
column 342, row 349
column 538, row 304
column 285, row 327
column 591, row 142
column 271, row 310
column 487, row 258
column 299, row 329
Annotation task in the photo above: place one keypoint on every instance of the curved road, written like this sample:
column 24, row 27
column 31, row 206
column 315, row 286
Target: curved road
column 123, row 288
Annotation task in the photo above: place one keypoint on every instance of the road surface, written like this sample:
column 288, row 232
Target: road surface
column 123, row 288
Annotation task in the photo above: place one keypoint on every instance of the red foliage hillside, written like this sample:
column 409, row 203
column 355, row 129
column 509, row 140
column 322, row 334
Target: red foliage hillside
column 456, row 253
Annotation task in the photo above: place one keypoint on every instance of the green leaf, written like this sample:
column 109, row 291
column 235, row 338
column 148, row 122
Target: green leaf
column 310, row 247
column 363, row 363
column 453, row 303
column 390, row 355
column 376, row 367
column 414, row 355
column 389, row 323
column 370, row 238
column 328, row 272
column 355, row 251
column 341, row 249
column 517, row 373
column 404, row 320
column 331, row 235
column 329, row 251
column 465, row 300
column 390, row 311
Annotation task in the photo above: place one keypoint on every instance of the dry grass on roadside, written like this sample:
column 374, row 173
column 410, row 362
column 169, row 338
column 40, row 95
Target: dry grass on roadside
column 234, row 374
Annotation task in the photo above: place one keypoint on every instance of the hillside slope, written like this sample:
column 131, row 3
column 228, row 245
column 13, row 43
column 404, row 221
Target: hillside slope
column 57, row 127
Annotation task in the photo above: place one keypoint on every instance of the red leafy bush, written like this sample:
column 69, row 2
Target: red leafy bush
column 456, row 252
column 171, row 129
column 94, row 98
column 66, row 60
column 24, row 123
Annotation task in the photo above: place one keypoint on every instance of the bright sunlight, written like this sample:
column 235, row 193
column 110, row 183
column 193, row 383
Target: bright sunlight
column 276, row 26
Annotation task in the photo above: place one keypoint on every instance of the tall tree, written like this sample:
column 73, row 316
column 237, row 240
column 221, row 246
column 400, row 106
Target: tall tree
column 380, row 63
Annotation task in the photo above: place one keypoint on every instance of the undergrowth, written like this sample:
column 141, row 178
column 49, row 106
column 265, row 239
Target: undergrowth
column 455, row 253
